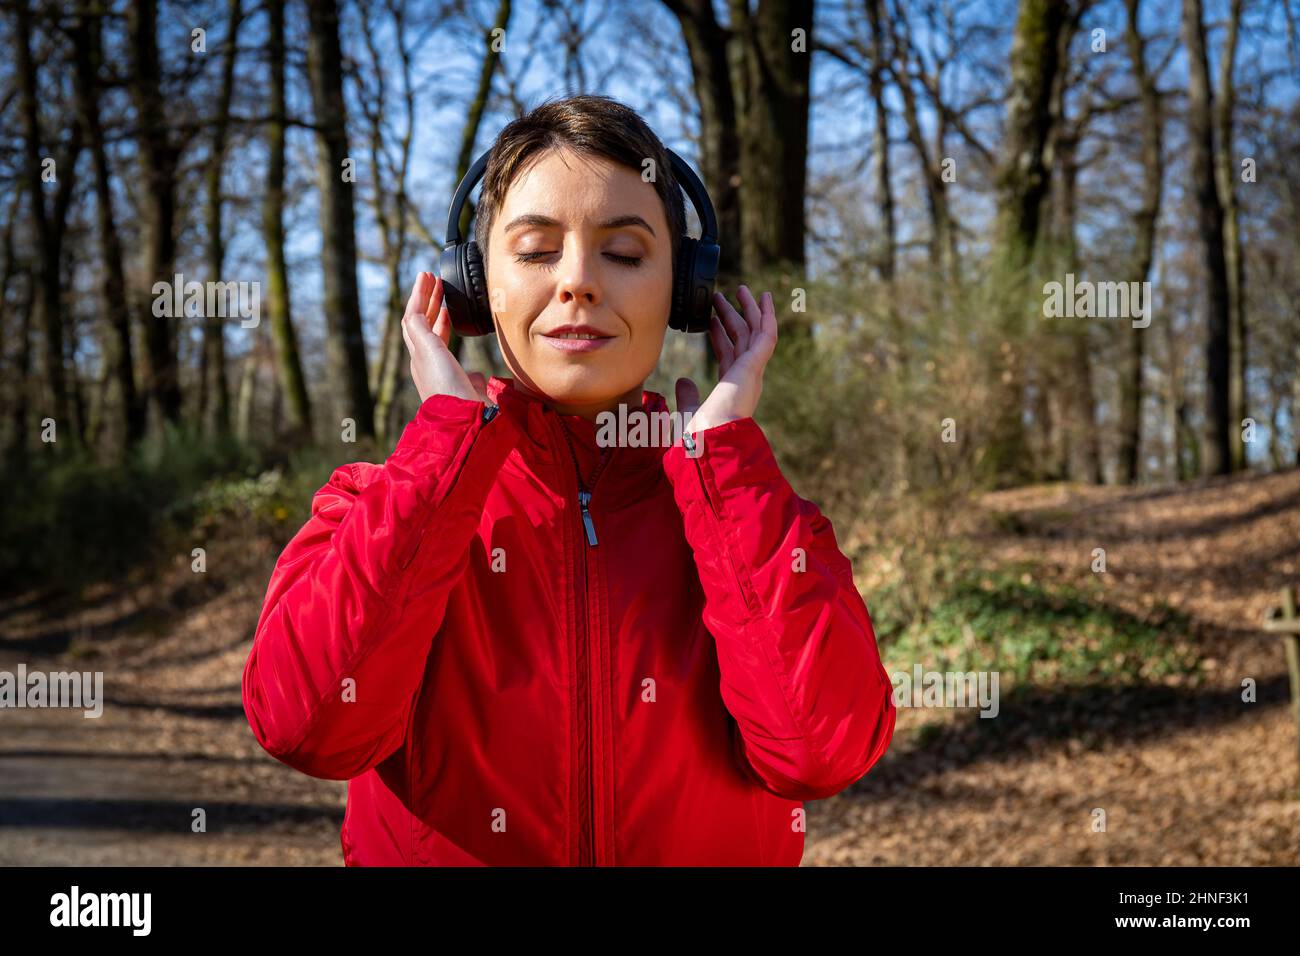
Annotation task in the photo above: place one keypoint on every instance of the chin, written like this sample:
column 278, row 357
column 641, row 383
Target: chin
column 578, row 383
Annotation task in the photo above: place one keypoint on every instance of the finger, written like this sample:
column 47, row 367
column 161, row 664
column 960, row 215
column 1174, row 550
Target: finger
column 479, row 382
column 419, row 300
column 735, row 326
column 442, row 326
column 410, row 347
column 765, row 336
column 753, row 315
column 413, row 319
column 688, row 397
column 434, row 304
column 726, row 312
column 722, row 345
column 415, row 293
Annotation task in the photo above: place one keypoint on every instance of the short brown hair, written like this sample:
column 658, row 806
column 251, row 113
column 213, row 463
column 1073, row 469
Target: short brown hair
column 592, row 124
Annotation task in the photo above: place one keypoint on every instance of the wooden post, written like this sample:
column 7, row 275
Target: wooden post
column 1284, row 622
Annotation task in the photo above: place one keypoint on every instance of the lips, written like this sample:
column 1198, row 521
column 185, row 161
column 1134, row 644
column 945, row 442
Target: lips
column 580, row 332
column 576, row 338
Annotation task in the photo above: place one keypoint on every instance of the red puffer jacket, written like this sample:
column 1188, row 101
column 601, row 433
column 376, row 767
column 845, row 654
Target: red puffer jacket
column 505, row 680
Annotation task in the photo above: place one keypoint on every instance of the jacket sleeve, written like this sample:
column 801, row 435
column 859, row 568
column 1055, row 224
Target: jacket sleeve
column 359, row 592
column 800, row 670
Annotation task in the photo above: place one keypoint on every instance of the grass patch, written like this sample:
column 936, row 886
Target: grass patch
column 1007, row 619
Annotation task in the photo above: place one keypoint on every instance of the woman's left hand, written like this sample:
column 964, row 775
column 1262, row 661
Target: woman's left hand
column 743, row 343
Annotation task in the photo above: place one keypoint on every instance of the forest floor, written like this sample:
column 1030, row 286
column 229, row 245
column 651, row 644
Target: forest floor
column 1184, row 776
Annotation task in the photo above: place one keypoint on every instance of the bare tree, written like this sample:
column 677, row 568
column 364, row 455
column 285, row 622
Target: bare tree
column 16, row 378
column 48, row 223
column 1151, row 123
column 709, row 46
column 878, row 70
column 345, row 344
column 288, row 364
column 158, row 157
column 771, row 59
column 1061, row 154
column 214, row 393
column 123, row 399
column 909, row 75
column 1216, row 451
column 1226, row 175
column 1023, row 180
column 1023, row 177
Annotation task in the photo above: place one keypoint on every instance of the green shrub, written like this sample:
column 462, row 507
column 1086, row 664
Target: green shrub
column 68, row 519
column 1006, row 619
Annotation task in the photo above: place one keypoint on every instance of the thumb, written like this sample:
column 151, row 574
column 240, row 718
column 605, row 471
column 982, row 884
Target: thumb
column 688, row 397
column 479, row 382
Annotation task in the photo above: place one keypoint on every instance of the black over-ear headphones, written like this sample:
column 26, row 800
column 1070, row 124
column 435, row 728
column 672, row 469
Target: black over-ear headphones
column 465, row 286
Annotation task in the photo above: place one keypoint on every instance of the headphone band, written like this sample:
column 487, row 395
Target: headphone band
column 682, row 172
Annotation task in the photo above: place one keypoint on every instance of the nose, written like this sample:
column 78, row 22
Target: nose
column 578, row 277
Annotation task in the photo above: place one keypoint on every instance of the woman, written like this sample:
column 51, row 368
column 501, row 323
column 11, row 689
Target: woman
column 521, row 646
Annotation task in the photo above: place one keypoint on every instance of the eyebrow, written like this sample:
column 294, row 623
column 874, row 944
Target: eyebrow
column 535, row 219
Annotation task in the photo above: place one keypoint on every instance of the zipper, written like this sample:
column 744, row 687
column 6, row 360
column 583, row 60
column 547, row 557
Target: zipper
column 586, row 706
column 584, row 494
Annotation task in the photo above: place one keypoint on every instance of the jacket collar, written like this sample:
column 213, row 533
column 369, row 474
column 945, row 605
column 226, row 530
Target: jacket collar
column 545, row 429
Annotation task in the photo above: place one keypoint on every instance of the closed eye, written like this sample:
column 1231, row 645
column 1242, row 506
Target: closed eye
column 534, row 257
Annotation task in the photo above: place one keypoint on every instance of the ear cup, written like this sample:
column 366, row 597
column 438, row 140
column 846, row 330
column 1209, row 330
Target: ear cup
column 464, row 288
column 477, row 292
column 697, row 268
column 680, row 318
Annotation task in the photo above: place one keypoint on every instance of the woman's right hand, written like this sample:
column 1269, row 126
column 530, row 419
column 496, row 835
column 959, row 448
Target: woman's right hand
column 426, row 327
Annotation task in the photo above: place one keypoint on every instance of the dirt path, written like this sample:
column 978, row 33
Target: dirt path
column 122, row 789
column 1184, row 777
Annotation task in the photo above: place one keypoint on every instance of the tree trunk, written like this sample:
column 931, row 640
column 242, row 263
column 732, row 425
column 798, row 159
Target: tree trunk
column 48, row 226
column 247, row 397
column 880, row 143
column 1175, row 407
column 15, row 383
column 214, row 394
column 1226, row 172
column 1085, row 452
column 1061, row 156
column 1216, row 444
column 942, row 242
column 288, row 364
column 1152, row 149
column 1022, row 182
column 770, row 87
column 345, row 343
column 158, row 158
column 1023, row 179
column 712, row 49
column 22, row 378
column 120, row 399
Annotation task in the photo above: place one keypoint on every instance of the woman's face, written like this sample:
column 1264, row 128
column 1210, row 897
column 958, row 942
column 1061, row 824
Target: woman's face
column 580, row 247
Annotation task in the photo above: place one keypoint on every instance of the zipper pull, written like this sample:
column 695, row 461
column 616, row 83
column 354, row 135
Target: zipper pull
column 584, row 498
